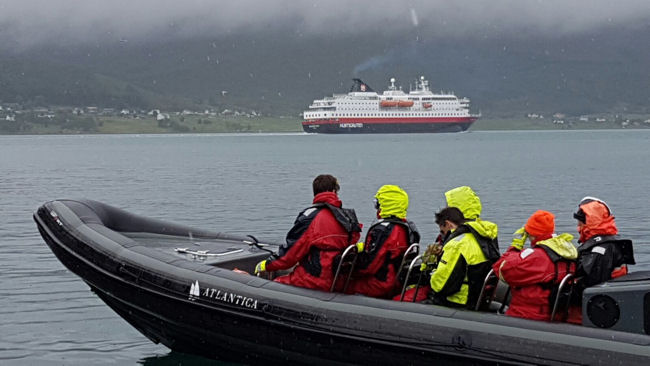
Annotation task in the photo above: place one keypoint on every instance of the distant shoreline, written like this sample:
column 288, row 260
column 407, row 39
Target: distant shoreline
column 196, row 125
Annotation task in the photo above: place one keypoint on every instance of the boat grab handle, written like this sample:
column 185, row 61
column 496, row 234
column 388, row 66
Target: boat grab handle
column 205, row 253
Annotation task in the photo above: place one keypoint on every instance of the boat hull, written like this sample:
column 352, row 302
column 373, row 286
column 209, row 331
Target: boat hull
column 403, row 125
column 194, row 306
column 225, row 332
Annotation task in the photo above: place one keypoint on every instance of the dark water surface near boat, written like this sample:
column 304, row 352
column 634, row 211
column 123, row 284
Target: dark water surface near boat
column 256, row 184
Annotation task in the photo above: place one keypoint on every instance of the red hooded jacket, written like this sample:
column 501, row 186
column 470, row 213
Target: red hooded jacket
column 315, row 249
column 529, row 274
column 386, row 243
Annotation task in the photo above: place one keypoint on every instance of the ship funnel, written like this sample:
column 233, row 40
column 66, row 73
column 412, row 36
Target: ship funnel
column 360, row 86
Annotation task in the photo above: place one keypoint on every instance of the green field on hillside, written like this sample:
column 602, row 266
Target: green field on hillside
column 240, row 124
column 193, row 124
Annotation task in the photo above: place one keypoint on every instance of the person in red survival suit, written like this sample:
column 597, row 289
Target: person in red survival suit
column 602, row 254
column 320, row 233
column 534, row 273
column 384, row 247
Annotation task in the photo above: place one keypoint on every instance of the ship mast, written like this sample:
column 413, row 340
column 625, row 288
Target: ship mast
column 424, row 84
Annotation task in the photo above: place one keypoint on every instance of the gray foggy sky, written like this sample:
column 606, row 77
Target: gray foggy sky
column 25, row 23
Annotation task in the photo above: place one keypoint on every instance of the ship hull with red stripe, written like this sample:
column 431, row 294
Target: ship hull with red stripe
column 388, row 125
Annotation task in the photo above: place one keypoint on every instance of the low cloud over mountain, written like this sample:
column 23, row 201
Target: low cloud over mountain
column 506, row 55
column 30, row 23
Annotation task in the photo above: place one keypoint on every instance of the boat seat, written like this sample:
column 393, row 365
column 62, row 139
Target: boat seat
column 488, row 291
column 345, row 266
column 563, row 295
column 412, row 264
column 411, row 252
column 505, row 301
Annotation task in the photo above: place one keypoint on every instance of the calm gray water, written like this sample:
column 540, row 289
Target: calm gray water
column 257, row 184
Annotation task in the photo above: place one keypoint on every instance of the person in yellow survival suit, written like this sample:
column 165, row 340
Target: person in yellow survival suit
column 470, row 249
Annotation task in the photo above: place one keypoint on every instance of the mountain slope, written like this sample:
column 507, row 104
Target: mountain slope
column 281, row 73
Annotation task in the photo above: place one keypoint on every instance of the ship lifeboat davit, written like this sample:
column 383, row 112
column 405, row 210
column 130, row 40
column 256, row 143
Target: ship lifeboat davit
column 405, row 103
column 426, row 105
column 389, row 103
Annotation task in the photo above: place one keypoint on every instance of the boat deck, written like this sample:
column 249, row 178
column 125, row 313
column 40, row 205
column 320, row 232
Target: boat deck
column 224, row 253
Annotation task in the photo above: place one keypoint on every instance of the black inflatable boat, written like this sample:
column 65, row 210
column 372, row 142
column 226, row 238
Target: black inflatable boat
column 176, row 285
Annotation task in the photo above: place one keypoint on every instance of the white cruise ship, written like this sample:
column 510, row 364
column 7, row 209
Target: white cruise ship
column 363, row 110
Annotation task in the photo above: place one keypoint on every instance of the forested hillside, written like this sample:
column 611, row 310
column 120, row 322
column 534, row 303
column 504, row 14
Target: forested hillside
column 280, row 73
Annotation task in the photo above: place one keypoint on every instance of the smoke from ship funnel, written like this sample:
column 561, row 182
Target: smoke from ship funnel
column 371, row 63
column 396, row 55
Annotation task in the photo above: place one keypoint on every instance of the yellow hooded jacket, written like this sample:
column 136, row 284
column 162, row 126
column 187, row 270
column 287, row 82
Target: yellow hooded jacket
column 393, row 200
column 464, row 264
column 562, row 246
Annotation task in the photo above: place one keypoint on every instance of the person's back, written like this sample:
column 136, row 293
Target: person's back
column 385, row 244
column 534, row 273
column 469, row 250
column 319, row 235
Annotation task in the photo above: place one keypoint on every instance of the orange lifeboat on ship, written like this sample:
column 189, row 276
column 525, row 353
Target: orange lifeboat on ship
column 426, row 105
column 388, row 103
column 405, row 103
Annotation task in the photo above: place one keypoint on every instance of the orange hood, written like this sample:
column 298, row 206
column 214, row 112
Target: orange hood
column 598, row 220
